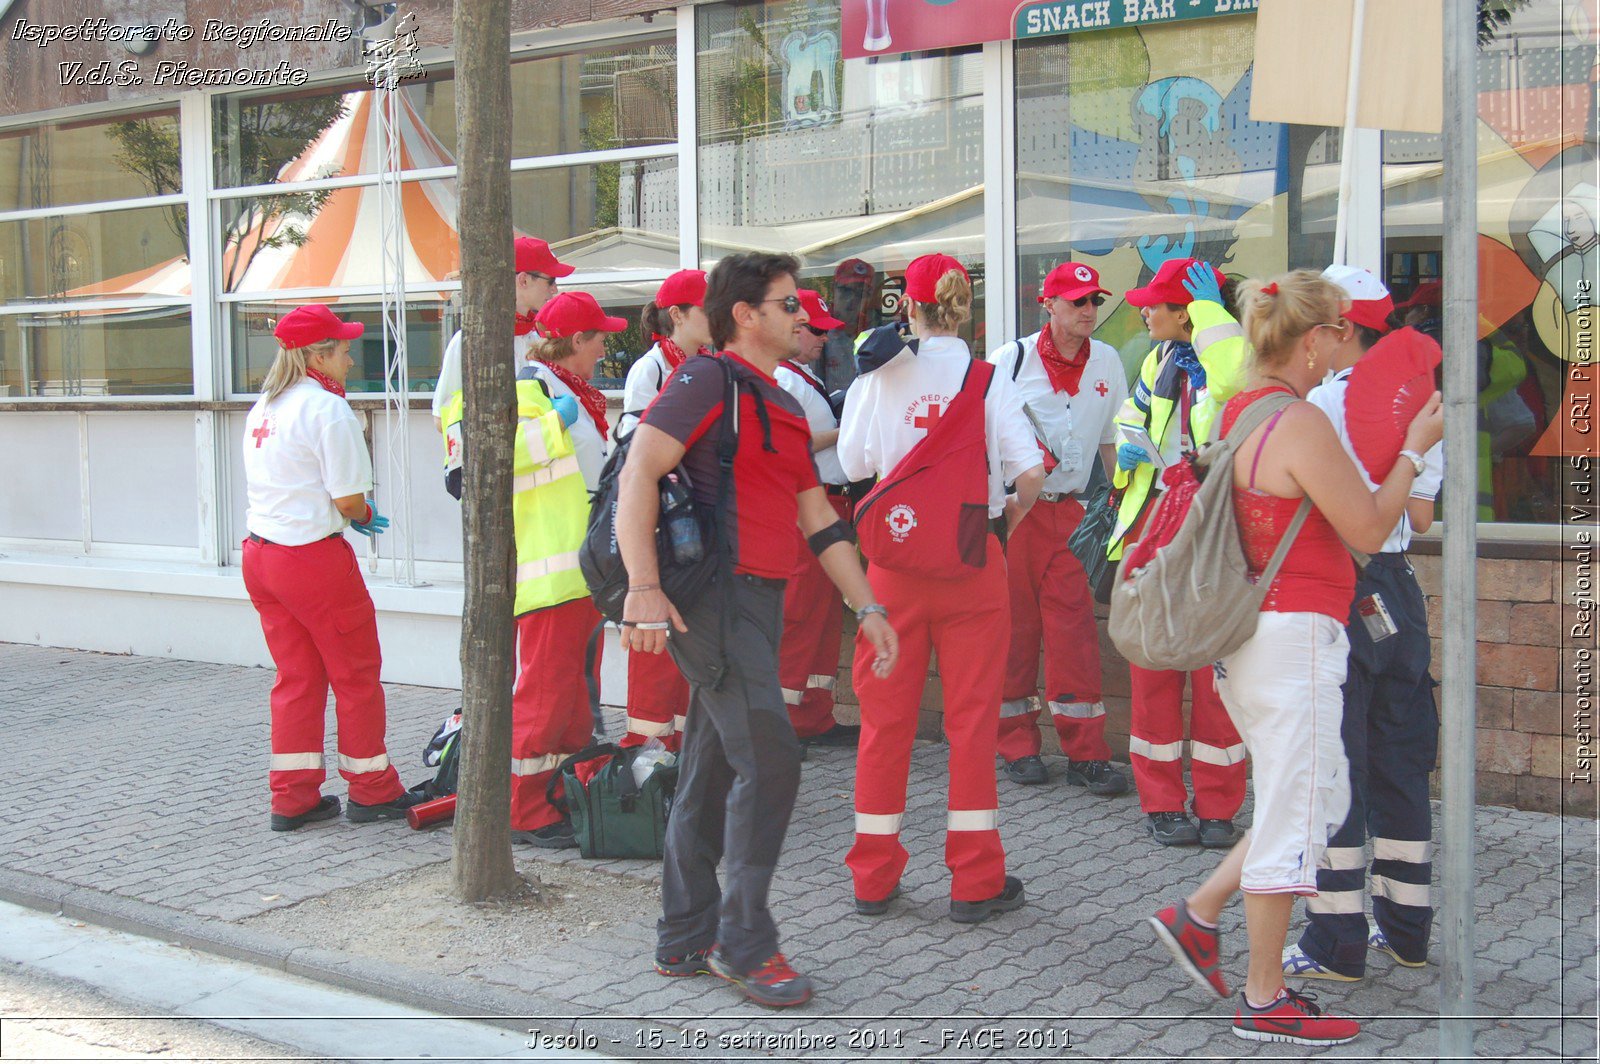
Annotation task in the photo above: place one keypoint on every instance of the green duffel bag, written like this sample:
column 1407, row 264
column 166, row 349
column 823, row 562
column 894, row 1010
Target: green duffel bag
column 611, row 815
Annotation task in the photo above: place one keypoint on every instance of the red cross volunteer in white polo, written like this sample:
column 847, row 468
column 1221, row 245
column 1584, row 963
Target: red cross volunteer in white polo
column 658, row 695
column 890, row 410
column 307, row 473
column 1072, row 387
column 813, row 617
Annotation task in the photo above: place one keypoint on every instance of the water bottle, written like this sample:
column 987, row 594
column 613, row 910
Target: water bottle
column 683, row 532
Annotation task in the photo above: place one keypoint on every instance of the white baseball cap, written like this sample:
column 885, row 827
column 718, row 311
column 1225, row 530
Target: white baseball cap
column 1370, row 301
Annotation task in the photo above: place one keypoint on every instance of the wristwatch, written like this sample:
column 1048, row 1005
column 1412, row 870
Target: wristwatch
column 869, row 609
column 1417, row 464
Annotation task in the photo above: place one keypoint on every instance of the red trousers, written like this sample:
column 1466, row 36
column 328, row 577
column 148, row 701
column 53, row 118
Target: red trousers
column 968, row 622
column 658, row 699
column 321, row 630
column 808, row 654
column 1051, row 606
column 1216, row 753
column 550, row 717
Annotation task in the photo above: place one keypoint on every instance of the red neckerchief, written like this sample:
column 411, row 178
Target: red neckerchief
column 326, row 381
column 1064, row 373
column 592, row 398
column 671, row 352
column 525, row 323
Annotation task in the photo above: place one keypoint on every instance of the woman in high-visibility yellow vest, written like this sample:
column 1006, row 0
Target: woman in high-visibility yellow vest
column 1195, row 367
column 561, row 440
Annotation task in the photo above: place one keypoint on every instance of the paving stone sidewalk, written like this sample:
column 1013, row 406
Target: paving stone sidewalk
column 144, row 778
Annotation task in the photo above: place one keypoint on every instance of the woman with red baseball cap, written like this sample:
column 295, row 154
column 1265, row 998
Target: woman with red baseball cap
column 307, row 474
column 929, row 408
column 1197, row 364
column 658, row 695
column 560, row 450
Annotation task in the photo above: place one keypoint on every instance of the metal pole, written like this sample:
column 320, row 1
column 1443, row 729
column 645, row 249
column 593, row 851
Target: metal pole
column 1458, row 789
column 1352, row 102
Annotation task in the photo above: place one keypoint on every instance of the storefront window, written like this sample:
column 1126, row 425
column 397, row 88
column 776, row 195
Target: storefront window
column 1135, row 146
column 1538, row 202
column 856, row 167
column 619, row 96
column 133, row 253
column 94, row 160
column 96, row 352
column 430, row 322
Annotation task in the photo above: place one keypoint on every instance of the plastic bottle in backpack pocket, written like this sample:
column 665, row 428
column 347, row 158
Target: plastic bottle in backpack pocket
column 683, row 531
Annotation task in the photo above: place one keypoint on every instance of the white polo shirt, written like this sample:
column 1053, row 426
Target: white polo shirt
column 450, row 367
column 1075, row 425
column 805, row 387
column 645, row 378
column 1329, row 398
column 887, row 411
column 302, row 451
column 587, row 443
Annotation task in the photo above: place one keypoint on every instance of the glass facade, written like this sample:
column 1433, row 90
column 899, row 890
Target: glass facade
column 1134, row 146
column 1125, row 147
column 854, row 167
column 1538, row 205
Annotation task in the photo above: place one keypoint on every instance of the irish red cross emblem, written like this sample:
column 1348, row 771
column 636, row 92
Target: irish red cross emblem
column 930, row 419
column 1100, row 387
column 261, row 432
column 901, row 520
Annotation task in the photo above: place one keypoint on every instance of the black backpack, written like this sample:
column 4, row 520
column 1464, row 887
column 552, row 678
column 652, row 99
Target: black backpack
column 684, row 583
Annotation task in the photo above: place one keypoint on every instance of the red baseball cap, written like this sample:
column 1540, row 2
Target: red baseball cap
column 1428, row 294
column 924, row 274
column 1167, row 285
column 685, row 286
column 1370, row 302
column 534, row 256
column 817, row 311
column 570, row 313
column 311, row 323
column 1072, row 280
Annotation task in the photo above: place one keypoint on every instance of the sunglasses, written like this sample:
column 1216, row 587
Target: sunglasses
column 791, row 304
column 541, row 276
column 814, row 331
column 1097, row 299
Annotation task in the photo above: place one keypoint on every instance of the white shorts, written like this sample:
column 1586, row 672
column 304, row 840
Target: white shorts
column 1282, row 691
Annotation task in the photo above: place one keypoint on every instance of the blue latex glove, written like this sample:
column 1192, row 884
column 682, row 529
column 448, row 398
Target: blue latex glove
column 567, row 407
column 1129, row 456
column 375, row 525
column 1201, row 283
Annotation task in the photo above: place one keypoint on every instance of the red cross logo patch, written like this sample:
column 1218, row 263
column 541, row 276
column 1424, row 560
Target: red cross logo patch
column 901, row 520
column 930, row 419
column 1101, row 388
column 261, row 432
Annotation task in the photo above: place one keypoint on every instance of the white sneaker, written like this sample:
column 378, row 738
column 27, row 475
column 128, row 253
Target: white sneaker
column 1300, row 966
column 1380, row 942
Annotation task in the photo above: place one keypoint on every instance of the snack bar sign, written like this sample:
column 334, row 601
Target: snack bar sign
column 1052, row 17
column 886, row 27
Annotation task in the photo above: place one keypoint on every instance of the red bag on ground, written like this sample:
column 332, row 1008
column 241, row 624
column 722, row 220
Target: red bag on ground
column 930, row 516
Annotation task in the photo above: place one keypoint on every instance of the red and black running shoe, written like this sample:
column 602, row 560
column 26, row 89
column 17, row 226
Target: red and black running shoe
column 1293, row 1017
column 1198, row 950
column 696, row 962
column 772, row 983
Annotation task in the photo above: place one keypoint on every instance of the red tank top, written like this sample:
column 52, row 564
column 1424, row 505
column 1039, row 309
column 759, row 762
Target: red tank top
column 1318, row 575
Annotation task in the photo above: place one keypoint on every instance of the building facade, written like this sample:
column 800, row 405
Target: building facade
column 165, row 194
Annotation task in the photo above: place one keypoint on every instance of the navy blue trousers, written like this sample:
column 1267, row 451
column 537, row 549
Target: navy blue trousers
column 1391, row 737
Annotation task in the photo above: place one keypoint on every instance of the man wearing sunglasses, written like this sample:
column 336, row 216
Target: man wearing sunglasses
column 1071, row 386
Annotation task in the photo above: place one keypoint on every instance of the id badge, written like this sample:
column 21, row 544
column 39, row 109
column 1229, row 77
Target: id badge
column 1375, row 615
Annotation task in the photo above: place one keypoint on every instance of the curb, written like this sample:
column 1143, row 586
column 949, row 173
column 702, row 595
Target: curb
column 509, row 1009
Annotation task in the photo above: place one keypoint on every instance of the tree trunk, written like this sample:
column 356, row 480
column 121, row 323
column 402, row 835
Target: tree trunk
column 482, row 864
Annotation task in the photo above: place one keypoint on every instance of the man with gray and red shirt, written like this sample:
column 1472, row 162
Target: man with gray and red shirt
column 740, row 762
column 1072, row 387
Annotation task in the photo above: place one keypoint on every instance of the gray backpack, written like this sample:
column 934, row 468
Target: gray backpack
column 1194, row 602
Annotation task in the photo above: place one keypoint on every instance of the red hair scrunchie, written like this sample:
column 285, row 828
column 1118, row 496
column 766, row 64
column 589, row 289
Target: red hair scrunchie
column 1270, row 289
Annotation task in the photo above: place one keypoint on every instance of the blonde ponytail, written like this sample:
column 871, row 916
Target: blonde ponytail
column 952, row 306
column 1277, row 313
column 289, row 367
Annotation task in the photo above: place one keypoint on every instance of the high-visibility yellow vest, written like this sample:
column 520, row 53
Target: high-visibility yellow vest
column 1219, row 344
column 549, row 501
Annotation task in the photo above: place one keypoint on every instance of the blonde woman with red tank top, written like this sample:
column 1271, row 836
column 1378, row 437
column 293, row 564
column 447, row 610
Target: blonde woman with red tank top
column 1282, row 688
